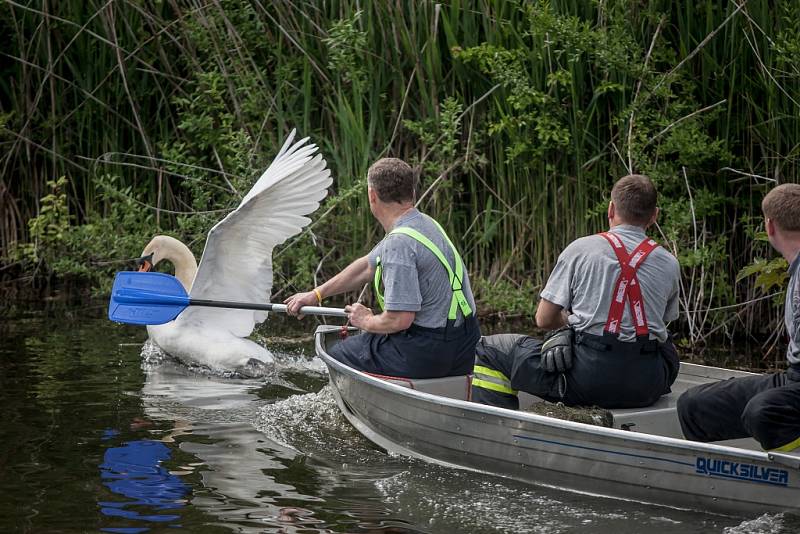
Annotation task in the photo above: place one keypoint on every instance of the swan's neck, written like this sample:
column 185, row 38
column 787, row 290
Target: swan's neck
column 183, row 260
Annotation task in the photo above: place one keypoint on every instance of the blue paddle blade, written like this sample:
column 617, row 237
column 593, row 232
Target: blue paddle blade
column 146, row 298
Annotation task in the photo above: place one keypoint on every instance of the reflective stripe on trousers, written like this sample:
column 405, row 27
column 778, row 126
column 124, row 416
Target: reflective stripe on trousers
column 484, row 377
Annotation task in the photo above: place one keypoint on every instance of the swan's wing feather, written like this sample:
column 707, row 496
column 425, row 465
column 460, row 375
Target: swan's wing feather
column 237, row 260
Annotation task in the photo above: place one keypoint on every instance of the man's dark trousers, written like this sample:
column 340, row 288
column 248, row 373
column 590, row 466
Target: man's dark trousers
column 766, row 407
column 605, row 372
column 413, row 353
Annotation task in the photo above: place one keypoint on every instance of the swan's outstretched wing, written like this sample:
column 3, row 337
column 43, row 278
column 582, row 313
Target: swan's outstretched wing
column 237, row 261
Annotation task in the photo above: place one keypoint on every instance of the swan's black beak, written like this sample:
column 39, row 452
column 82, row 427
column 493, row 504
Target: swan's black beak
column 145, row 263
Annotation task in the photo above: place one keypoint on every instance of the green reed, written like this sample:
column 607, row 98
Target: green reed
column 517, row 113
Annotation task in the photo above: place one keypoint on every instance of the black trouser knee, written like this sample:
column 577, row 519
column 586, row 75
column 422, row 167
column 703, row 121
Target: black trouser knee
column 765, row 407
column 773, row 417
column 491, row 376
column 483, row 395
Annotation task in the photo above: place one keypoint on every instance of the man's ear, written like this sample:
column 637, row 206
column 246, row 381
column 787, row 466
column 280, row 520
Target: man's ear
column 373, row 196
column 611, row 210
column 770, row 226
column 654, row 218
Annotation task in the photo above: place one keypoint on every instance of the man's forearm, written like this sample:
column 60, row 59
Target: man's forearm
column 389, row 322
column 352, row 278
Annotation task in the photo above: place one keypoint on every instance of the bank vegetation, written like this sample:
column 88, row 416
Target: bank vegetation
column 123, row 119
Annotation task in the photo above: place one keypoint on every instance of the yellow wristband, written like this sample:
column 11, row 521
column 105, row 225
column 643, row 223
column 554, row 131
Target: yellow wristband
column 318, row 294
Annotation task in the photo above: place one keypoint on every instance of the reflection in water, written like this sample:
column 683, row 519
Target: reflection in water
column 235, row 463
column 256, row 477
column 134, row 470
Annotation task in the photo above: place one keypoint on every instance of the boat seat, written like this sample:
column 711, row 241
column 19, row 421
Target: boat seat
column 660, row 418
column 453, row 387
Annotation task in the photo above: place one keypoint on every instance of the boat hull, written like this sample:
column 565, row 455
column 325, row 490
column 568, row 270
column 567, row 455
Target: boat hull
column 564, row 454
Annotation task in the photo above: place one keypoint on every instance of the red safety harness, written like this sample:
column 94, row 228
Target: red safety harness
column 627, row 286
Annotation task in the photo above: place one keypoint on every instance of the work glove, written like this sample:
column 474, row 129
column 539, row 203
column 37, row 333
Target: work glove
column 557, row 350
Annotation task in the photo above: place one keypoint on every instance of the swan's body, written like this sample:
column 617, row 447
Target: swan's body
column 237, row 261
column 197, row 339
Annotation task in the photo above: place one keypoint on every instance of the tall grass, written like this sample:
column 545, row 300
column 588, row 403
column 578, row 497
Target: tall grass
column 519, row 114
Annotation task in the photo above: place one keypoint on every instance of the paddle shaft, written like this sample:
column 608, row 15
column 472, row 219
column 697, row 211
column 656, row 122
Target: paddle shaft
column 279, row 308
column 157, row 298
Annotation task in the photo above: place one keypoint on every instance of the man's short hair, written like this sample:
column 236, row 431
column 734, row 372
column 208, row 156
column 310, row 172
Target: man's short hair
column 392, row 179
column 782, row 205
column 634, row 198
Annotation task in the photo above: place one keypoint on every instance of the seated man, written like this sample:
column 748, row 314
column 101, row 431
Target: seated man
column 428, row 327
column 766, row 407
column 603, row 352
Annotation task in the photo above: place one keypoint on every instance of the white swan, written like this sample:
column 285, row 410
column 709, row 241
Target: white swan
column 237, row 261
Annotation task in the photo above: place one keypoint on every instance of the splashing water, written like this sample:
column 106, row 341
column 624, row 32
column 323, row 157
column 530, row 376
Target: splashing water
column 277, row 374
column 767, row 524
column 312, row 423
column 484, row 502
column 152, row 354
column 300, row 363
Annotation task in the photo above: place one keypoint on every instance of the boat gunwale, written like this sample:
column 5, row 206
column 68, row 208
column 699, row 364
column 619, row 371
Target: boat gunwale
column 546, row 421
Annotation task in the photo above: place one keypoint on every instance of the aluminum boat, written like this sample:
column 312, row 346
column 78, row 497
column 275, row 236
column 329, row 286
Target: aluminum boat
column 642, row 456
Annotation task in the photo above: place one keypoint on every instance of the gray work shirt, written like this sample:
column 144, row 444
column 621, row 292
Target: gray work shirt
column 584, row 277
column 413, row 278
column 792, row 312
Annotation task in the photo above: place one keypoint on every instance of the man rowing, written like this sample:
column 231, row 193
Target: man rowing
column 427, row 328
column 607, row 304
column 765, row 407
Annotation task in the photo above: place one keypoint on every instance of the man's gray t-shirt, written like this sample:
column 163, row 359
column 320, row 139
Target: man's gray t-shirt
column 792, row 312
column 413, row 278
column 586, row 273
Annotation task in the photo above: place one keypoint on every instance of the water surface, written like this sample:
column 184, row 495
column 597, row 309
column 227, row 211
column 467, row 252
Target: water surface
column 101, row 434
